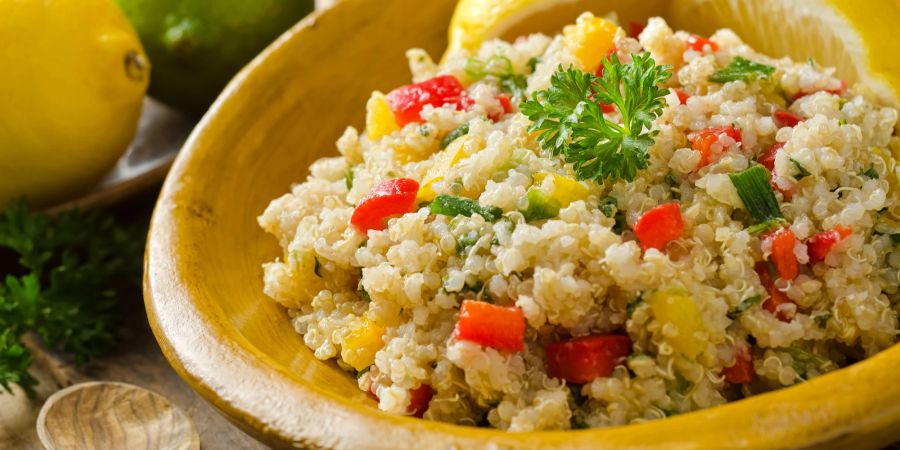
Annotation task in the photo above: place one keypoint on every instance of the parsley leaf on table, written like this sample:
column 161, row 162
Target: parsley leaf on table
column 570, row 119
column 72, row 265
column 741, row 69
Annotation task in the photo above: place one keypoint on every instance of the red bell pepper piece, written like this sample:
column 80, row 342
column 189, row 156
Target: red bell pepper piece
column 820, row 244
column 407, row 102
column 682, row 96
column 776, row 297
column 741, row 372
column 656, row 227
column 635, row 28
column 580, row 360
column 388, row 198
column 698, row 43
column 838, row 91
column 504, row 102
column 419, row 399
column 703, row 140
column 499, row 327
column 783, row 257
column 784, row 118
column 767, row 158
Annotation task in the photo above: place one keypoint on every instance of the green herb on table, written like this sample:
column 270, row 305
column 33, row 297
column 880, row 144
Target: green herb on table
column 454, row 134
column 571, row 123
column 448, row 205
column 756, row 192
column 741, row 69
column 65, row 286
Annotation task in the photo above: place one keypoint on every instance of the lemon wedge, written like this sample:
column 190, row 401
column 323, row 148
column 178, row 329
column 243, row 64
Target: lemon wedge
column 858, row 38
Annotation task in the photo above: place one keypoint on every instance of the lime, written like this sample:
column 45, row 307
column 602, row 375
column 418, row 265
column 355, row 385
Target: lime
column 197, row 46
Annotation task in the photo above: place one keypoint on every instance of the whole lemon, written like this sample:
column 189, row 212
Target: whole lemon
column 197, row 46
column 72, row 78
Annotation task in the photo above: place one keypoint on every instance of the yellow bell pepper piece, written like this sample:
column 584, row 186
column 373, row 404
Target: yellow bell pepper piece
column 361, row 343
column 380, row 120
column 589, row 40
column 426, row 191
column 458, row 150
column 565, row 189
column 677, row 307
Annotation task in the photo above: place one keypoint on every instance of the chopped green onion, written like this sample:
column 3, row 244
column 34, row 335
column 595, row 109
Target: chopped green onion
column 741, row 69
column 540, row 205
column 424, row 130
column 497, row 65
column 454, row 134
column 532, row 63
column 766, row 226
column 801, row 171
column 348, row 179
column 608, row 206
column 743, row 306
column 753, row 188
column 448, row 205
column 871, row 173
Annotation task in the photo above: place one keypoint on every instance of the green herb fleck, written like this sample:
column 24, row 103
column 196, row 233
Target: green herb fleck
column 571, row 123
column 745, row 304
column 895, row 238
column 364, row 294
column 608, row 206
column 766, row 226
column 454, row 134
column 756, row 192
column 514, row 84
column 425, row 130
column 811, row 61
column 348, row 179
column 670, row 180
column 632, row 305
column 448, row 205
column 317, row 266
column 801, row 171
column 871, row 173
column 465, row 242
column 532, row 63
column 540, row 205
column 822, row 320
column 842, row 121
column 362, row 372
column 741, row 69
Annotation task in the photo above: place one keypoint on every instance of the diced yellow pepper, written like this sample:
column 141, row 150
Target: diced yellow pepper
column 426, row 191
column 589, row 40
column 380, row 120
column 677, row 307
column 458, row 150
column 361, row 343
column 565, row 189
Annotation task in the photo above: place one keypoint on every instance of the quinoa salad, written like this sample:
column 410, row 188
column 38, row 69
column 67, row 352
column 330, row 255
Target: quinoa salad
column 596, row 228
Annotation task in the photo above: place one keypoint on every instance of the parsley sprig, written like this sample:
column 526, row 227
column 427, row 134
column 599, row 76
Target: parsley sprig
column 571, row 123
column 62, row 285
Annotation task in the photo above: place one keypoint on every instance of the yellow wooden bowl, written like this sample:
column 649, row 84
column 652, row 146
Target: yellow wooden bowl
column 236, row 347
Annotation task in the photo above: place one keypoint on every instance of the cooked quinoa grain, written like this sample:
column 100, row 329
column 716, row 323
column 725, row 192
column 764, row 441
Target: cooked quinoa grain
column 550, row 266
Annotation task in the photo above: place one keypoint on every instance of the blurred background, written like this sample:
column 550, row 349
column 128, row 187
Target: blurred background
column 99, row 95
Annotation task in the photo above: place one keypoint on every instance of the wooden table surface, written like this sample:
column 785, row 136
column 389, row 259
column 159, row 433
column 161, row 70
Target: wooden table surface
column 137, row 360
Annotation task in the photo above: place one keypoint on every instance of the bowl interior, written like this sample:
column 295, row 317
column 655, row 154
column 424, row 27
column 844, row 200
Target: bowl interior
column 204, row 280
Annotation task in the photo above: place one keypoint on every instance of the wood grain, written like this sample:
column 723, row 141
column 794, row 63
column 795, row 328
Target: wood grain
column 104, row 415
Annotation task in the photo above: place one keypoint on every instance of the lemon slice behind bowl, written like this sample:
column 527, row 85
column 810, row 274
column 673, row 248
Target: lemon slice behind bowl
column 475, row 21
column 859, row 38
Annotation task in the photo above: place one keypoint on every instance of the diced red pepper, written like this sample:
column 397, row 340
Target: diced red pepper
column 583, row 359
column 599, row 71
column 499, row 327
column 784, row 118
column 776, row 297
column 656, row 227
column 388, row 198
column 682, row 96
column 703, row 140
column 463, row 102
column 838, row 91
column 505, row 103
column 407, row 102
column 698, row 43
column 820, row 244
column 419, row 399
column 783, row 257
column 371, row 392
column 741, row 372
column 635, row 28
column 767, row 158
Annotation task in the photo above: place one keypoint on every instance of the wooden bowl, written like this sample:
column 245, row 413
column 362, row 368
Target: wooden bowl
column 203, row 282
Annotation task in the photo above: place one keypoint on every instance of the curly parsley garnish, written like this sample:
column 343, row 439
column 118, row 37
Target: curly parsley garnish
column 571, row 123
column 741, row 69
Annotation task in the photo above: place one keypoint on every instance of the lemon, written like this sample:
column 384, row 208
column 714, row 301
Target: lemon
column 197, row 46
column 72, row 80
column 859, row 38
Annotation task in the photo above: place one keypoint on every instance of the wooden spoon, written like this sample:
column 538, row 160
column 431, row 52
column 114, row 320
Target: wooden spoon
column 105, row 415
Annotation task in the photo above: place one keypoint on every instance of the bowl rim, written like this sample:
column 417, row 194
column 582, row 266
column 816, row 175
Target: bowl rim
column 274, row 409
